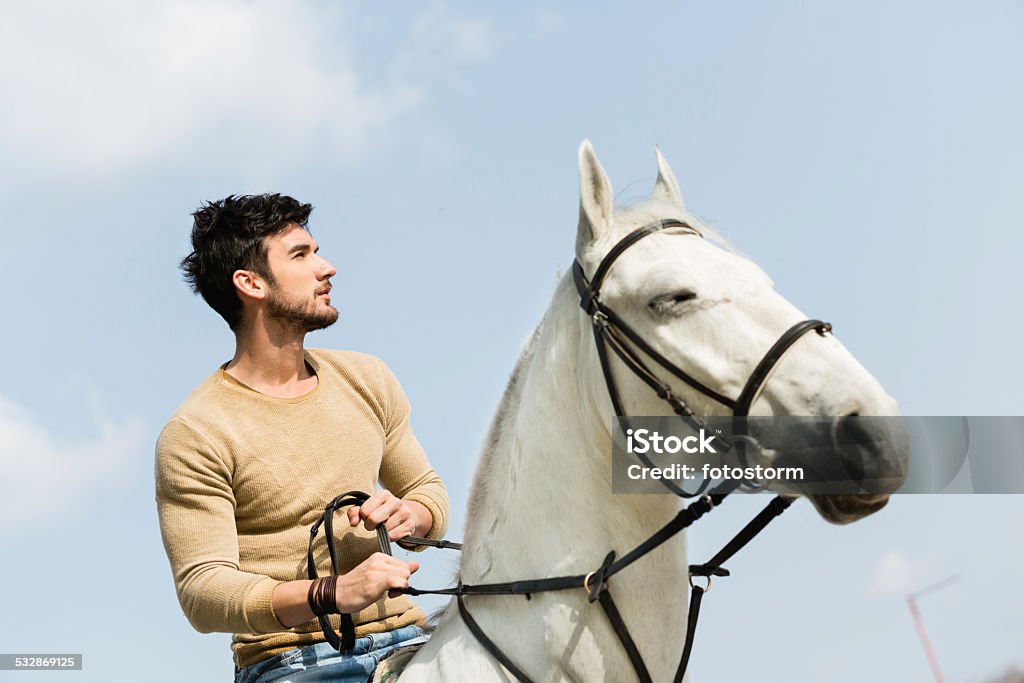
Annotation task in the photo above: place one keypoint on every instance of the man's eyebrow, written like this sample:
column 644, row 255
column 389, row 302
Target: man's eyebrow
column 301, row 247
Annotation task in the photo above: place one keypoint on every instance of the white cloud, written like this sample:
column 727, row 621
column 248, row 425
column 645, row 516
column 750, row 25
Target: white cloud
column 105, row 88
column 439, row 38
column 44, row 475
column 895, row 574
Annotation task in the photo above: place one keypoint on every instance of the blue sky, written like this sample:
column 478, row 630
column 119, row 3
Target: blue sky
column 867, row 154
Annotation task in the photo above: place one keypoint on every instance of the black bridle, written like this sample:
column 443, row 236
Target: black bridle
column 610, row 331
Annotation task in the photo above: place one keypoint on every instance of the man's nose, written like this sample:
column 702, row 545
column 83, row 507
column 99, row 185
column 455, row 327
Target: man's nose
column 327, row 270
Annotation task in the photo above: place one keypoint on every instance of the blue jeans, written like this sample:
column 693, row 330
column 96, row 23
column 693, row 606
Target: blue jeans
column 321, row 662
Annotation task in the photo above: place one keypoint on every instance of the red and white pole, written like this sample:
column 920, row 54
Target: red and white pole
column 924, row 639
column 919, row 622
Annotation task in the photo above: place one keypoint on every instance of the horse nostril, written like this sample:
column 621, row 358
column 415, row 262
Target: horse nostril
column 849, row 444
column 865, row 452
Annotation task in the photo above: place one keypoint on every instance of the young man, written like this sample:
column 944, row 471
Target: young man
column 246, row 465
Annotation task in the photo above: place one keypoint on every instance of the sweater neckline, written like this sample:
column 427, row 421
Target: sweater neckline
column 235, row 384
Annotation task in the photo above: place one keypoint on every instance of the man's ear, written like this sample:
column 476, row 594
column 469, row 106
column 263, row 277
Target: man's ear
column 249, row 285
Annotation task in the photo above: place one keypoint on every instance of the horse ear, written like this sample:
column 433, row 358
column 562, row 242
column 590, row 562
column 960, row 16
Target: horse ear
column 666, row 188
column 596, row 206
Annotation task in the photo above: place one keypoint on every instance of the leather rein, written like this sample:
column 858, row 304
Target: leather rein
column 610, row 331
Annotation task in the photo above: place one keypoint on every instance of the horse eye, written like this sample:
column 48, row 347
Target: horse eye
column 666, row 303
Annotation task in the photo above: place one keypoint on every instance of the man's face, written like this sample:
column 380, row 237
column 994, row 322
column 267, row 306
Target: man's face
column 300, row 294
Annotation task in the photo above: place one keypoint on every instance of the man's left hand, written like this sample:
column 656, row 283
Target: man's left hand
column 401, row 517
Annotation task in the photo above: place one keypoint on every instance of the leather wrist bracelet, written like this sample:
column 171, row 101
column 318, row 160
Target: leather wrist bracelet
column 322, row 596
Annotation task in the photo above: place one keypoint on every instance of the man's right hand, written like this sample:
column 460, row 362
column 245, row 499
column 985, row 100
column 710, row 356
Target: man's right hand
column 370, row 580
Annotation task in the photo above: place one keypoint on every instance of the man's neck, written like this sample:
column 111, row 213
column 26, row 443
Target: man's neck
column 272, row 364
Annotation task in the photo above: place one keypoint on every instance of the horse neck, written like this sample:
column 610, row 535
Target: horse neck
column 542, row 502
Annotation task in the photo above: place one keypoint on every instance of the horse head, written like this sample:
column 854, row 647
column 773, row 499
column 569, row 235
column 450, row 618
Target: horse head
column 712, row 314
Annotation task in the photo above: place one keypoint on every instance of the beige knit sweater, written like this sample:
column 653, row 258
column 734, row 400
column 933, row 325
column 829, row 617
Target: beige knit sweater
column 241, row 477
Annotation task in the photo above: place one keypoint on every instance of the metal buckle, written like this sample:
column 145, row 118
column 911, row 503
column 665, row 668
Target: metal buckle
column 706, row 588
column 599, row 319
column 586, row 582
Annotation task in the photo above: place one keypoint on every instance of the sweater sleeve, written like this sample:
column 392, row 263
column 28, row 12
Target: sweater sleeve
column 405, row 470
column 196, row 507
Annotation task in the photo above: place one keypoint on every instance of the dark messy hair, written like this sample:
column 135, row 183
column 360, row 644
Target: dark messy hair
column 229, row 235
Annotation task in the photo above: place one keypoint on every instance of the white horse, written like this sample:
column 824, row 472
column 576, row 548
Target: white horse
column 542, row 502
